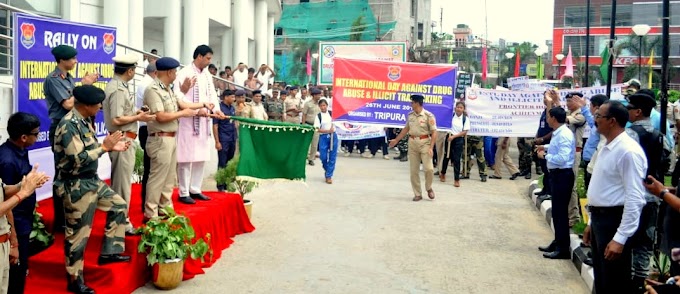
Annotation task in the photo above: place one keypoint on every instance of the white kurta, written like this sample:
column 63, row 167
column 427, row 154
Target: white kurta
column 192, row 147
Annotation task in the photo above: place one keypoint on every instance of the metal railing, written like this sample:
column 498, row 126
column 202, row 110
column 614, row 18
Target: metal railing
column 6, row 49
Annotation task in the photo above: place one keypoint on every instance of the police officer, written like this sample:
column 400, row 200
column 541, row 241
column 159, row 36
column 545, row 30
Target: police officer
column 475, row 146
column 243, row 108
column 421, row 129
column 76, row 152
column 225, row 133
column 58, row 90
column 309, row 114
column 120, row 115
column 161, row 144
column 525, row 158
column 292, row 104
column 274, row 106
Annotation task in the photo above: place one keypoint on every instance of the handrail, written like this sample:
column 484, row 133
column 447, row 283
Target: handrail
column 15, row 9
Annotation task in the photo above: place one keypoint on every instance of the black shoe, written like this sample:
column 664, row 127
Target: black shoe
column 310, row 162
column 436, row 173
column 539, row 172
column 588, row 261
column 404, row 158
column 495, row 177
column 541, row 193
column 199, row 196
column 464, row 177
column 527, row 176
column 483, row 178
column 557, row 255
column 550, row 248
column 514, row 176
column 544, row 197
column 186, row 200
column 523, row 173
column 106, row 259
column 78, row 286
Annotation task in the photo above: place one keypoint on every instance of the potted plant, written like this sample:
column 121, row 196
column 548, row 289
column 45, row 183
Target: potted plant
column 168, row 241
column 39, row 238
column 227, row 176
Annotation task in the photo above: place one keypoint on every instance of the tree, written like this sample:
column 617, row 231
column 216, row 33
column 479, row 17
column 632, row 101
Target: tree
column 358, row 27
column 631, row 43
column 298, row 58
column 527, row 53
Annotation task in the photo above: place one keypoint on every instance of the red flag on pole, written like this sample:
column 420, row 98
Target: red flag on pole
column 484, row 64
column 309, row 64
column 517, row 65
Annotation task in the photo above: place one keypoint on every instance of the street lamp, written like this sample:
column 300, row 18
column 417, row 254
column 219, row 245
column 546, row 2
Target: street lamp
column 559, row 57
column 640, row 30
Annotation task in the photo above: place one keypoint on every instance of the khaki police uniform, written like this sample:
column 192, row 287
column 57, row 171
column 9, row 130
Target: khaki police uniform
column 292, row 102
column 118, row 103
column 577, row 124
column 421, row 126
column 161, row 146
column 244, row 110
column 4, row 247
column 311, row 110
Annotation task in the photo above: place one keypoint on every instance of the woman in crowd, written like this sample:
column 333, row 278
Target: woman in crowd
column 454, row 144
column 328, row 140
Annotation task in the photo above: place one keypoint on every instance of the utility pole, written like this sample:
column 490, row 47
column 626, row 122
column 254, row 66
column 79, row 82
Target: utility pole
column 377, row 30
column 610, row 67
column 665, row 41
column 441, row 21
column 587, row 71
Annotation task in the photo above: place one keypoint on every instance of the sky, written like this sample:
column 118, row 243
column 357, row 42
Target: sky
column 512, row 20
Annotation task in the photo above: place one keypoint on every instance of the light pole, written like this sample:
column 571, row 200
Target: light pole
column 498, row 59
column 640, row 30
column 559, row 57
column 509, row 55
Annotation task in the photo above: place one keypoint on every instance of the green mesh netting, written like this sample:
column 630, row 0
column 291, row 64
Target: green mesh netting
column 305, row 24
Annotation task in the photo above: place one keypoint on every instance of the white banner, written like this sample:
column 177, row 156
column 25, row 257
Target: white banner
column 348, row 131
column 518, row 83
column 515, row 113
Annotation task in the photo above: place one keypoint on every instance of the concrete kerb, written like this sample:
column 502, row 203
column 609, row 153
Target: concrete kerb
column 578, row 253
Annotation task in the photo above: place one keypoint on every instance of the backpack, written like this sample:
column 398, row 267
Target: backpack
column 658, row 158
column 319, row 115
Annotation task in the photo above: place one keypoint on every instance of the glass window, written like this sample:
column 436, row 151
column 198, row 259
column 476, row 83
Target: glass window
column 575, row 16
column 414, row 8
column 624, row 15
column 52, row 7
column 675, row 14
column 647, row 13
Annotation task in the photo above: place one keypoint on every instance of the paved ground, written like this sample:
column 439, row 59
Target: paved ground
column 363, row 234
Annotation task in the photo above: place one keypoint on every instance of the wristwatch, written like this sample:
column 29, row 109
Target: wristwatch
column 663, row 193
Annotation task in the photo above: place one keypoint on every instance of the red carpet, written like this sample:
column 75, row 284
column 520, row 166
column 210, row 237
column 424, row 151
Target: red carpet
column 223, row 217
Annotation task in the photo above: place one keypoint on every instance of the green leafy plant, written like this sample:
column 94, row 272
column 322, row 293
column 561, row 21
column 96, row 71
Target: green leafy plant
column 38, row 232
column 579, row 227
column 171, row 237
column 227, row 176
column 673, row 95
column 661, row 264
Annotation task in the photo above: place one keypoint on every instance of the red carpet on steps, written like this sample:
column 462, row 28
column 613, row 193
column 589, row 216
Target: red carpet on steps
column 223, row 217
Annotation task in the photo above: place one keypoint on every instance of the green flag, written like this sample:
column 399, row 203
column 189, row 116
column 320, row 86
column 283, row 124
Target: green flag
column 604, row 67
column 272, row 150
column 539, row 68
column 451, row 55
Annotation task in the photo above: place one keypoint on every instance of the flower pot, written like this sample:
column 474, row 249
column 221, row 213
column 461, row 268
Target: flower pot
column 167, row 275
column 249, row 207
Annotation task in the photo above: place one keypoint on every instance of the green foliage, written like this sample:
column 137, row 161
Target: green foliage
column 171, row 237
column 581, row 184
column 38, row 232
column 139, row 163
column 227, row 176
column 662, row 264
column 358, row 27
column 673, row 95
column 579, row 227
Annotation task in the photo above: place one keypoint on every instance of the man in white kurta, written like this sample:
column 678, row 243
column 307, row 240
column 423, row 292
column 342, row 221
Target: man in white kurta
column 194, row 140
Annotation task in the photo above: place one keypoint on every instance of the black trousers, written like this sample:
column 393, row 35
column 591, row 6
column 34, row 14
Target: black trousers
column 224, row 156
column 561, row 183
column 58, row 204
column 17, row 273
column 546, row 176
column 375, row 144
column 454, row 154
column 586, row 175
column 611, row 276
column 361, row 144
column 143, row 135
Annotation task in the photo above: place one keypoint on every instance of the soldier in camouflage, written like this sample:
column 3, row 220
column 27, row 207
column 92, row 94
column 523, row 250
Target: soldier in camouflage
column 475, row 146
column 274, row 105
column 402, row 146
column 525, row 156
column 76, row 152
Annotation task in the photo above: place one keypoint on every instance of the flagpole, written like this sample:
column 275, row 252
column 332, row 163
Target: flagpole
column 587, row 82
column 610, row 67
column 665, row 41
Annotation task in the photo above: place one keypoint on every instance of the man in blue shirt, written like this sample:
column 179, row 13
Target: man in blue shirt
column 560, row 160
column 225, row 132
column 14, row 165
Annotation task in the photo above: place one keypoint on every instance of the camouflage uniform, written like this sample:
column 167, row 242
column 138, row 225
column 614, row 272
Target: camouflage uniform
column 274, row 108
column 76, row 151
column 525, row 151
column 475, row 146
column 402, row 146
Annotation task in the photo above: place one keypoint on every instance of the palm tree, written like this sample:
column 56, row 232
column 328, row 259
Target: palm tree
column 632, row 43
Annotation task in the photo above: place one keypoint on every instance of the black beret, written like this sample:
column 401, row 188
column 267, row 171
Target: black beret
column 417, row 98
column 315, row 91
column 227, row 93
column 641, row 101
column 166, row 63
column 88, row 94
column 257, row 92
column 64, row 52
column 294, row 87
column 283, row 92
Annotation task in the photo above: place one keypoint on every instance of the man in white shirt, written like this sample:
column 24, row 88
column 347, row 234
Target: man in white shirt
column 240, row 74
column 257, row 108
column 615, row 197
column 148, row 78
column 264, row 75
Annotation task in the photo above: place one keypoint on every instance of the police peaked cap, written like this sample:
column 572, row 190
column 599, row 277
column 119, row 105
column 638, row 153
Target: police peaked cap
column 257, row 92
column 417, row 98
column 283, row 92
column 88, row 94
column 166, row 63
column 64, row 52
column 240, row 92
column 641, row 101
column 125, row 61
column 315, row 91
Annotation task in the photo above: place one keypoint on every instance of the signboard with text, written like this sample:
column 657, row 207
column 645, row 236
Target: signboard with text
column 464, row 80
column 328, row 51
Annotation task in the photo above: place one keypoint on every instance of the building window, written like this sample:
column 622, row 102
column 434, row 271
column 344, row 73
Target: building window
column 414, row 7
column 647, row 13
column 578, row 45
column 624, row 15
column 575, row 16
column 304, row 1
column 675, row 15
column 420, row 31
column 278, row 31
